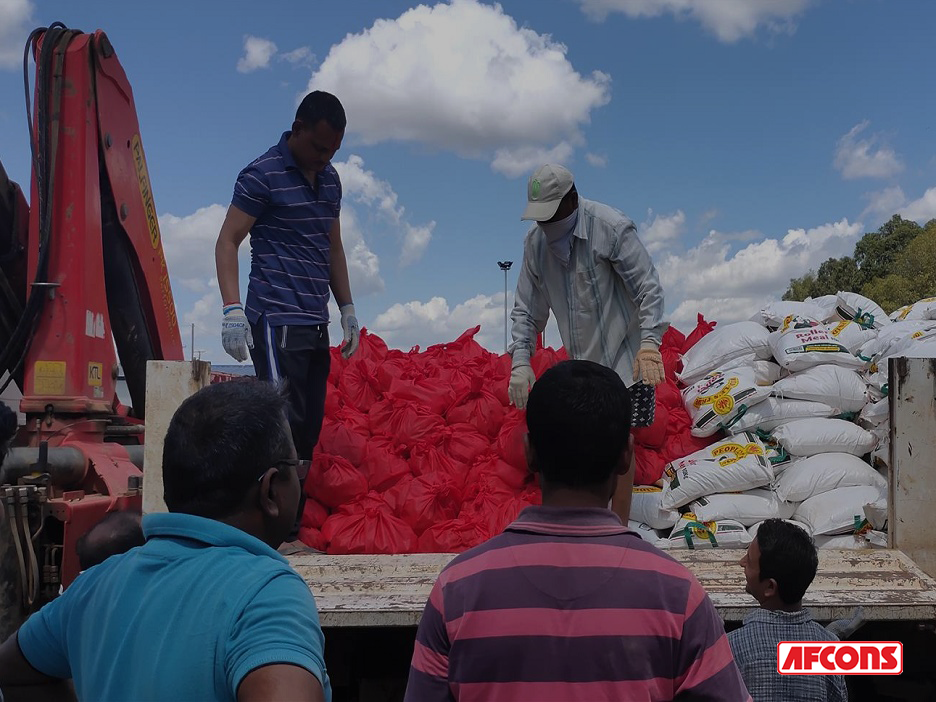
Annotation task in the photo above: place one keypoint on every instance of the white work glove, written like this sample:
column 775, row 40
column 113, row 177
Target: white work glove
column 235, row 333
column 521, row 380
column 648, row 367
column 351, row 329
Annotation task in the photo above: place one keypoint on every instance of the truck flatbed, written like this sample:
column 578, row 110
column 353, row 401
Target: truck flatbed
column 391, row 591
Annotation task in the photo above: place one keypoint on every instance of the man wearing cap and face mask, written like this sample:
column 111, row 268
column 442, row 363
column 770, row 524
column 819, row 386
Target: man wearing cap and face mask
column 583, row 261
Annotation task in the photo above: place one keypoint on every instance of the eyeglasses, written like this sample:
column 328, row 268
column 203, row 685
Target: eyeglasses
column 302, row 468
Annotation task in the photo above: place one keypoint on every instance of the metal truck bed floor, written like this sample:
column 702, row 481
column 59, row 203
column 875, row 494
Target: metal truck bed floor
column 360, row 591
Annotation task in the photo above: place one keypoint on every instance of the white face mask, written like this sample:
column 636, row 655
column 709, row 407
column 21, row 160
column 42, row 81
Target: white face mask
column 555, row 231
column 559, row 235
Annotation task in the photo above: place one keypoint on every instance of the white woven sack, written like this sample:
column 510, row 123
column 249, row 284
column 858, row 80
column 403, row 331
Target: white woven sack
column 833, row 385
column 807, row 437
column 722, row 345
column 731, row 465
column 752, row 531
column 772, row 315
column 749, row 507
column 842, row 542
column 721, row 398
column 874, row 414
column 838, row 511
column 861, row 309
column 851, row 335
column 825, row 472
column 647, row 507
column 772, row 412
column 827, row 303
column 690, row 533
column 797, row 346
column 765, row 372
column 893, row 339
column 644, row 531
column 921, row 309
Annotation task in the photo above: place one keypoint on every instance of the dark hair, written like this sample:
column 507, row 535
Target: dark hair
column 219, row 442
column 117, row 533
column 578, row 418
column 319, row 105
column 8, row 426
column 788, row 555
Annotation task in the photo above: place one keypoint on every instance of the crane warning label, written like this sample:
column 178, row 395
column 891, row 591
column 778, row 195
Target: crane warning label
column 149, row 208
column 95, row 374
column 49, row 377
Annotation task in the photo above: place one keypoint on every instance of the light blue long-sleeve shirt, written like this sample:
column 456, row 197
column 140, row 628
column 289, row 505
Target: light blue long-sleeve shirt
column 606, row 298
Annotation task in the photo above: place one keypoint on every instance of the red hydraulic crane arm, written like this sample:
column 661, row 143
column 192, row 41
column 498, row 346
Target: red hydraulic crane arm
column 105, row 281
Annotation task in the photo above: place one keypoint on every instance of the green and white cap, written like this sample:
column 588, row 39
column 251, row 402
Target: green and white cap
column 547, row 186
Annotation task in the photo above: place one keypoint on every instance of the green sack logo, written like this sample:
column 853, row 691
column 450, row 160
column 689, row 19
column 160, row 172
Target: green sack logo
column 535, row 189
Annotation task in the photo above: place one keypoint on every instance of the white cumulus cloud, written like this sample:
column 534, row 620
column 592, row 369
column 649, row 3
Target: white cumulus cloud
column 15, row 25
column 922, row 210
column 865, row 158
column 728, row 286
column 659, row 231
column 258, row 53
column 362, row 185
column 884, row 202
column 597, row 160
column 462, row 77
column 729, row 20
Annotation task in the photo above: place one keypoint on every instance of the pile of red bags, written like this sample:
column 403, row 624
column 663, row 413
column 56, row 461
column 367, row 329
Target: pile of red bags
column 420, row 451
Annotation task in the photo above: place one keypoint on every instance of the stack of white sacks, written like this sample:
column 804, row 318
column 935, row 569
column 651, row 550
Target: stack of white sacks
column 800, row 392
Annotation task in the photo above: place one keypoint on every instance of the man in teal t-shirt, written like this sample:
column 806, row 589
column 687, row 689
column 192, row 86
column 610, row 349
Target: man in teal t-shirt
column 206, row 609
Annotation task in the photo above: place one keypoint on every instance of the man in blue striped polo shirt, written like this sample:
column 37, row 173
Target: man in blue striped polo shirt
column 289, row 200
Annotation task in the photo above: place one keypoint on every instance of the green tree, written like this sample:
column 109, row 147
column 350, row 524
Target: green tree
column 876, row 252
column 912, row 276
column 875, row 257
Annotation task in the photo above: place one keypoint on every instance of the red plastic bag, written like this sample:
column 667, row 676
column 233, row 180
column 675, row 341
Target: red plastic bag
column 370, row 347
column 333, row 400
column 510, row 440
column 434, row 395
column 683, row 444
column 378, row 417
column 410, row 423
column 338, row 439
column 654, row 435
column 314, row 514
column 383, row 465
column 358, row 383
column 453, row 536
column 463, row 442
column 313, row 538
column 395, row 368
column 464, row 347
column 543, row 360
column 649, row 465
column 671, row 350
column 702, row 328
column 667, row 394
column 339, row 483
column 426, row 459
column 430, row 499
column 480, row 408
column 486, row 500
column 490, row 464
column 369, row 530
column 396, row 495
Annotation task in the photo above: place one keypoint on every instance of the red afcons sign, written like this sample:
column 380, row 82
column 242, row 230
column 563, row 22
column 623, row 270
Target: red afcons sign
column 840, row 658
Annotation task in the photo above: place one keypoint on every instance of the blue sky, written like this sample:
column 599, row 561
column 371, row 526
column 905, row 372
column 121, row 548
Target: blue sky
column 749, row 141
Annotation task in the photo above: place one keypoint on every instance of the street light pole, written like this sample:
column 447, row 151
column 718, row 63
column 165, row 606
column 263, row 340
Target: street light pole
column 505, row 266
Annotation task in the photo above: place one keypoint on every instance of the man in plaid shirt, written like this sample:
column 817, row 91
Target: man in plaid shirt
column 779, row 567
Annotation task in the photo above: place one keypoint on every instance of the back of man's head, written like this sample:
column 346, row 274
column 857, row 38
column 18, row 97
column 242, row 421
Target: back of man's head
column 219, row 442
column 319, row 105
column 578, row 417
column 788, row 555
column 116, row 533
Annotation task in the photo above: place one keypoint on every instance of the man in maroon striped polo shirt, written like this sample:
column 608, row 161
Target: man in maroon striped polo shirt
column 567, row 603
